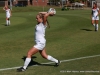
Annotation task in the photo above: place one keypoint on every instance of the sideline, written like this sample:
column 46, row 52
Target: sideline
column 54, row 62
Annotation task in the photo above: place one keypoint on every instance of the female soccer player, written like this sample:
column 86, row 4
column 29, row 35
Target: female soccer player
column 40, row 40
column 8, row 14
column 95, row 16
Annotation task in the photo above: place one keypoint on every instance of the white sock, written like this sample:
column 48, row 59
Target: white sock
column 52, row 59
column 6, row 22
column 26, row 63
column 94, row 25
column 97, row 27
column 9, row 22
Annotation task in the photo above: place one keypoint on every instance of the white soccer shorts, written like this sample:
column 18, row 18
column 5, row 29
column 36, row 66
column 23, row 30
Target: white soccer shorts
column 7, row 16
column 39, row 45
column 95, row 18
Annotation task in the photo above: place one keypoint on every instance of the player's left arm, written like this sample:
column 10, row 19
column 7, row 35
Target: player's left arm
column 98, row 12
column 10, row 12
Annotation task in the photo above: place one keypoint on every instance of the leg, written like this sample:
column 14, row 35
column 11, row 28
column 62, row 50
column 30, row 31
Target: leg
column 31, row 52
column 93, row 22
column 44, row 55
column 96, row 25
column 7, row 21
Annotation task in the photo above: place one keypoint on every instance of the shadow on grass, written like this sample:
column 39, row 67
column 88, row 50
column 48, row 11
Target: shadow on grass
column 4, row 24
column 32, row 63
column 87, row 29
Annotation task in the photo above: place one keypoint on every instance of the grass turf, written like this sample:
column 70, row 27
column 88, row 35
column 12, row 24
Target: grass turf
column 71, row 36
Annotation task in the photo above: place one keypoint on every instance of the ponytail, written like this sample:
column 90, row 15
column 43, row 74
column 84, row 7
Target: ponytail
column 48, row 24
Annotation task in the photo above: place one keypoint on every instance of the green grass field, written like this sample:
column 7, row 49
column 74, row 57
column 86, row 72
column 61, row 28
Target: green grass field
column 71, row 39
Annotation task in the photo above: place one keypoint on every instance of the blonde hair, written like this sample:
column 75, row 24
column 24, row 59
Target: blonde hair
column 42, row 16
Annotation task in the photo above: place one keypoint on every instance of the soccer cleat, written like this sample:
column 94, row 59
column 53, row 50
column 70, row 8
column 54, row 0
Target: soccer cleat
column 96, row 29
column 21, row 69
column 57, row 64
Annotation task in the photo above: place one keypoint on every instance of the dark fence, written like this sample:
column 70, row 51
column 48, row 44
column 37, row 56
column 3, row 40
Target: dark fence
column 2, row 3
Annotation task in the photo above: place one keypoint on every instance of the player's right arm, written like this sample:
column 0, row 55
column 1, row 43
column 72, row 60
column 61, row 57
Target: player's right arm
column 4, row 8
column 98, row 11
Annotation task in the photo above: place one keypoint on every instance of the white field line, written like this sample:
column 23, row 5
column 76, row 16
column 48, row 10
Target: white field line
column 54, row 62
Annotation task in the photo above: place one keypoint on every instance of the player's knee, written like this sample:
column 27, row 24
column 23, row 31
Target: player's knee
column 8, row 19
column 29, row 54
column 92, row 22
column 44, row 56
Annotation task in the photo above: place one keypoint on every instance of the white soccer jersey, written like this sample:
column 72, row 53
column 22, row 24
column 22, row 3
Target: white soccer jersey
column 7, row 13
column 95, row 12
column 40, row 33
